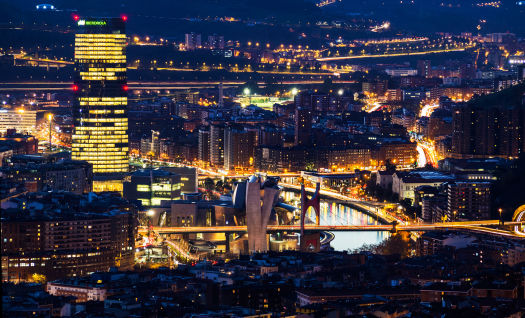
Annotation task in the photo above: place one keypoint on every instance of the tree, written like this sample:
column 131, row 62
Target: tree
column 39, row 278
column 365, row 248
column 309, row 166
column 390, row 167
column 219, row 186
column 209, row 185
column 399, row 244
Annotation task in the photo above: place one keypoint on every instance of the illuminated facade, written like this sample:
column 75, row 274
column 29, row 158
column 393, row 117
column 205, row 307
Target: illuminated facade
column 100, row 109
column 24, row 121
column 152, row 186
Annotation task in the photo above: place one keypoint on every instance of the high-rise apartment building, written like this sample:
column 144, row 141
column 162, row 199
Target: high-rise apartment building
column 217, row 144
column 469, row 200
column 100, row 90
column 424, row 68
column 488, row 131
column 192, row 41
column 216, row 41
column 204, row 145
column 239, row 148
column 303, row 119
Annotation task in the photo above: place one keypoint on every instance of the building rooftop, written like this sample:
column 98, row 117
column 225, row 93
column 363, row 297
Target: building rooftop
column 152, row 172
column 423, row 176
column 47, row 206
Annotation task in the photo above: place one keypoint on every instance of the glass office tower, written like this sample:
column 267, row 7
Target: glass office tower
column 100, row 90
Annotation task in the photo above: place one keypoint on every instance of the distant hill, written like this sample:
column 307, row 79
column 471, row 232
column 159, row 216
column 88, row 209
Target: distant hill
column 288, row 10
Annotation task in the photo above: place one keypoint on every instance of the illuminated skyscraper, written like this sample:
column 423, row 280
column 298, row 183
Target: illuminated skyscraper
column 100, row 89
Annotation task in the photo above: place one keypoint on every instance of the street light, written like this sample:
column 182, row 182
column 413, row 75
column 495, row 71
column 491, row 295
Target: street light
column 295, row 91
column 500, row 210
column 247, row 92
column 50, row 119
column 340, row 92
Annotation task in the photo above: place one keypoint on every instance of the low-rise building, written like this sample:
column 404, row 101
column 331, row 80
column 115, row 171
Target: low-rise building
column 152, row 186
column 19, row 143
column 434, row 292
column 405, row 183
column 82, row 293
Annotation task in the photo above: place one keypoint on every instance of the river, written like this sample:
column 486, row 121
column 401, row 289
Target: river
column 338, row 214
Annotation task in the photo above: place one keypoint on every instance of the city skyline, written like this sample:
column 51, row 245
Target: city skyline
column 295, row 158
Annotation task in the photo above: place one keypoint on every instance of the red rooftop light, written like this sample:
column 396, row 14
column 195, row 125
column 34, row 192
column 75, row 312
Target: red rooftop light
column 124, row 17
column 76, row 17
column 125, row 87
column 75, row 88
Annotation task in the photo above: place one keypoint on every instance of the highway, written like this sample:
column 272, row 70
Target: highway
column 55, row 86
column 42, row 62
column 324, row 59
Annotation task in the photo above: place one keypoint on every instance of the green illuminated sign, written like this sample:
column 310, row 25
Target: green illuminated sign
column 95, row 22
column 90, row 22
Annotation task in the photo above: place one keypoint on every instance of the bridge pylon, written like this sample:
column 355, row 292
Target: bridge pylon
column 310, row 242
column 394, row 227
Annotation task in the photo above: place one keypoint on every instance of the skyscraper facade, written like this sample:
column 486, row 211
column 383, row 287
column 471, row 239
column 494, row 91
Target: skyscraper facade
column 100, row 90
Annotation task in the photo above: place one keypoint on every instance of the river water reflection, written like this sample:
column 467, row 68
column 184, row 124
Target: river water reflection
column 333, row 213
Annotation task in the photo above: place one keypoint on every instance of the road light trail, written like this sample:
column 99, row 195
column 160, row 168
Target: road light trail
column 421, row 156
column 428, row 109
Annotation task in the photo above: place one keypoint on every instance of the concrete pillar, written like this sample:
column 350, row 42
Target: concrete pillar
column 258, row 214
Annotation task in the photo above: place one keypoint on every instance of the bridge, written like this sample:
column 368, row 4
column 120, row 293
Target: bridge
column 310, row 233
column 485, row 226
column 376, row 209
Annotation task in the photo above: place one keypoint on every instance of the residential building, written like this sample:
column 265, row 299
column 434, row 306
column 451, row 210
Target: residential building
column 63, row 234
